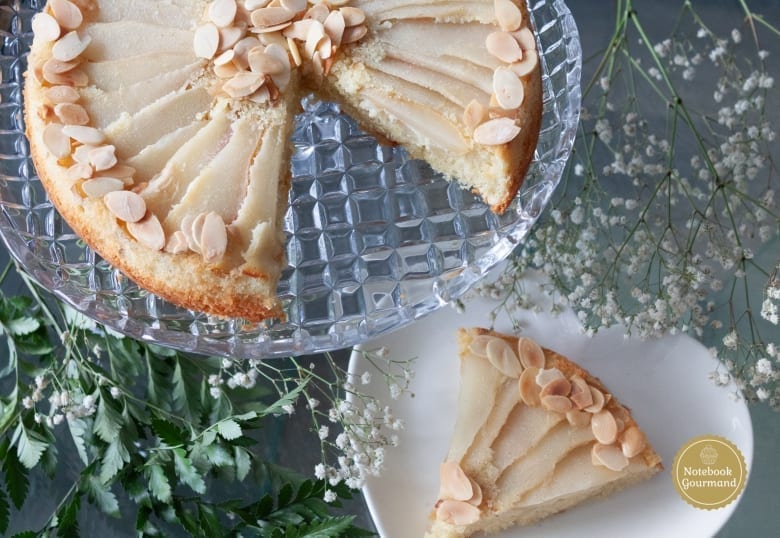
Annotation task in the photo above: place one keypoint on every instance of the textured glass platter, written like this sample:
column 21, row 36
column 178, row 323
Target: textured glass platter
column 375, row 240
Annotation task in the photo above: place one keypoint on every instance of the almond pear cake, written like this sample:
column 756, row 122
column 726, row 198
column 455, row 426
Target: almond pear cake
column 534, row 435
column 160, row 128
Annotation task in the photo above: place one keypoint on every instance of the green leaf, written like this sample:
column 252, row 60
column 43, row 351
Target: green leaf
column 78, row 429
column 36, row 344
column 285, row 495
column 68, row 518
column 158, row 483
column 5, row 511
column 15, row 475
column 229, row 429
column 219, row 456
column 29, row 446
column 108, row 420
column 288, row 399
column 186, row 390
column 22, row 326
column 187, row 472
column 25, row 534
column 114, row 459
column 333, row 527
column 169, row 433
column 100, row 494
column 208, row 521
column 243, row 462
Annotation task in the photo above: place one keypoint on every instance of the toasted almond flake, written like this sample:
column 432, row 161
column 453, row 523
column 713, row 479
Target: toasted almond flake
column 316, row 33
column 548, row 375
column 45, row 27
column 121, row 171
column 255, row 4
column 598, row 400
column 222, row 12
column 525, row 38
column 224, row 58
column 75, row 78
column 476, row 498
column 496, row 132
column 103, row 158
column 84, row 134
column 529, row 389
column 325, row 48
column 354, row 34
column 243, row 84
column 281, row 79
column 187, row 229
column 604, row 427
column 610, row 456
column 98, row 187
column 271, row 16
column 54, row 66
column 530, row 353
column 457, row 512
column 226, row 71
column 70, row 46
column 61, row 94
column 559, row 404
column 318, row 69
column 45, row 112
column 228, row 37
column 503, row 358
column 478, row 345
column 632, row 442
column 148, row 231
column 263, row 95
column 206, row 41
column 71, row 114
column 474, row 114
column 454, row 483
column 177, row 243
column 81, row 154
column 262, row 62
column 296, row 6
column 270, row 30
column 242, row 49
column 334, row 26
column 504, row 46
column 125, row 205
column 527, row 64
column 56, row 141
column 318, row 12
column 508, row 88
column 578, row 418
column 213, row 238
column 79, row 171
column 67, row 14
column 508, row 15
column 298, row 29
column 580, row 392
column 294, row 52
column 353, row 16
column 556, row 387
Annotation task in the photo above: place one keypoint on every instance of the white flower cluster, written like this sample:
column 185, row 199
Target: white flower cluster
column 63, row 404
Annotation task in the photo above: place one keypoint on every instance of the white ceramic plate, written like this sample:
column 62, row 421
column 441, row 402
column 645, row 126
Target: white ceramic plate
column 664, row 382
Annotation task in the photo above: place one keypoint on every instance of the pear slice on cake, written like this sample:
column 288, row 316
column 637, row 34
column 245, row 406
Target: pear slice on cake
column 535, row 434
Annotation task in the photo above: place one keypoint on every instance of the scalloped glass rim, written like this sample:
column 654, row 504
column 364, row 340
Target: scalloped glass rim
column 375, row 240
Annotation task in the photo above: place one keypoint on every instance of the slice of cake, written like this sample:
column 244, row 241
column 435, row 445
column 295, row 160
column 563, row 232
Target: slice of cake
column 535, row 434
column 160, row 129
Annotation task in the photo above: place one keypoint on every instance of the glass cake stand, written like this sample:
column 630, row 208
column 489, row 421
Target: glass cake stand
column 375, row 240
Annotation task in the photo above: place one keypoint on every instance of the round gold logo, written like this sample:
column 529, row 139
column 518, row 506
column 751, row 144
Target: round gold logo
column 709, row 472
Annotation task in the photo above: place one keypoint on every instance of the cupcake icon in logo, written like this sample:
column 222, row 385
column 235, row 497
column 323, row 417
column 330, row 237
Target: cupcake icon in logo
column 708, row 455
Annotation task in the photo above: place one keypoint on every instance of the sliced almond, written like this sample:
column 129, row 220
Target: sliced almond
column 262, row 62
column 294, row 52
column 478, row 345
column 206, row 41
column 508, row 15
column 610, row 456
column 298, row 29
column 282, row 78
column 508, row 88
column 474, row 114
column 81, row 155
column 98, row 187
column 352, row 16
column 103, row 158
column 228, row 37
column 578, row 418
column 559, row 404
column 353, row 34
column 632, row 442
column 243, row 84
column 318, row 12
column 271, row 30
column 271, row 16
column 67, row 14
column 476, row 498
column 76, row 78
column 457, row 512
column 504, row 46
column 227, row 70
column 598, row 400
column 148, row 231
column 255, row 4
column 296, row 6
column 225, row 58
column 213, row 238
column 556, row 387
column 263, row 95
column 61, row 94
column 530, row 353
column 580, row 392
column 525, row 38
column 125, row 205
column 334, row 26
column 45, row 27
column 84, row 134
column 313, row 38
column 529, row 389
column 79, row 171
column 242, row 49
column 455, row 484
column 527, row 64
column 71, row 114
column 503, row 358
column 56, row 141
column 177, row 243
column 604, row 427
column 222, row 12
column 496, row 132
column 70, row 46
column 548, row 375
column 121, row 171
